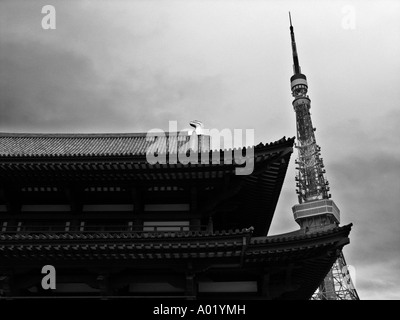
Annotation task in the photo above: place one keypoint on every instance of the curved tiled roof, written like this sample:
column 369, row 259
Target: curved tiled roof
column 21, row 243
column 109, row 144
column 121, row 235
column 28, row 145
column 298, row 235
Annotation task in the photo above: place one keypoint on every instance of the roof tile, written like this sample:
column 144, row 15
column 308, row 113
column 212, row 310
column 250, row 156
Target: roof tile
column 117, row 144
column 42, row 145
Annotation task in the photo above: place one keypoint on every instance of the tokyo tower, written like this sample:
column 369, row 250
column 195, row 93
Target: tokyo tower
column 315, row 210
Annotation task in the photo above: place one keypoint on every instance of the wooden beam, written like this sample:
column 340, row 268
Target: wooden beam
column 72, row 195
column 264, row 285
column 193, row 199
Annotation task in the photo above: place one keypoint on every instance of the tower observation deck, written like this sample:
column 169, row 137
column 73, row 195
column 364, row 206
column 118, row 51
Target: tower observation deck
column 315, row 210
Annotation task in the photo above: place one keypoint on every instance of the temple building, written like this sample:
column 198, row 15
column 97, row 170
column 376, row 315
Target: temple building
column 113, row 224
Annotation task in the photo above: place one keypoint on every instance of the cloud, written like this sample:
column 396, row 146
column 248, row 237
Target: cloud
column 49, row 88
column 376, row 281
column 369, row 197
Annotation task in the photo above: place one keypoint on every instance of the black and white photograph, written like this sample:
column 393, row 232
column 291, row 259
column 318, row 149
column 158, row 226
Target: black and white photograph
column 193, row 156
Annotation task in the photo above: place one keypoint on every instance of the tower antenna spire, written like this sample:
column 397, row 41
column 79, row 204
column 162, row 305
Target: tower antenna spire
column 296, row 66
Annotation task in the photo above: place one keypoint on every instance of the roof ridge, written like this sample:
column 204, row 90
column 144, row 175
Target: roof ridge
column 105, row 144
column 86, row 135
column 299, row 234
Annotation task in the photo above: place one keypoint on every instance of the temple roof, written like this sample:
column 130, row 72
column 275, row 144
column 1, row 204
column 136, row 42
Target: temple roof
column 56, row 145
column 41, row 159
column 91, row 145
column 306, row 258
column 263, row 249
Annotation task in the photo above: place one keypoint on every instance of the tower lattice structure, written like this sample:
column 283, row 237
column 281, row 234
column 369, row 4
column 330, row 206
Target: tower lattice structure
column 315, row 210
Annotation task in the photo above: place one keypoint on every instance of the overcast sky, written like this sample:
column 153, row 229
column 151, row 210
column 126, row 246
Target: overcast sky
column 131, row 66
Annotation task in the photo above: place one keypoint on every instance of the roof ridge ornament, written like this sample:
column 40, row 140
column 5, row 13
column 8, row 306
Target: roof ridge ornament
column 198, row 126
